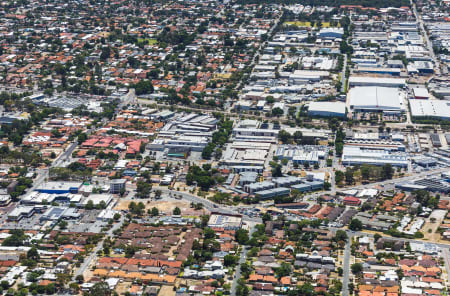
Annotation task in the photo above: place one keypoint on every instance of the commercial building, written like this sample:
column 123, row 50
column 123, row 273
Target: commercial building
column 57, row 213
column 98, row 199
column 21, row 212
column 274, row 192
column 260, row 186
column 331, row 33
column 287, row 181
column 353, row 155
column 192, row 142
column 327, row 109
column 116, row 185
column 373, row 99
column 307, row 186
column 59, row 187
column 225, row 221
column 351, row 201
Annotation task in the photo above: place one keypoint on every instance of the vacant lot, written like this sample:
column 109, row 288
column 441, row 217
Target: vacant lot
column 307, row 24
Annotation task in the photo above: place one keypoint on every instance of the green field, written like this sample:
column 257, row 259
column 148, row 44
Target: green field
column 150, row 41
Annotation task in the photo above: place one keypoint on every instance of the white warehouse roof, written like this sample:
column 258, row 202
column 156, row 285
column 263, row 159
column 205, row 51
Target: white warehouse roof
column 327, row 107
column 375, row 81
column 375, row 98
column 430, row 108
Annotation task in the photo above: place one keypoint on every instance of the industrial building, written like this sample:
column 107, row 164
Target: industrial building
column 374, row 81
column 354, row 155
column 421, row 93
column 374, row 99
column 430, row 108
column 327, row 109
column 302, row 154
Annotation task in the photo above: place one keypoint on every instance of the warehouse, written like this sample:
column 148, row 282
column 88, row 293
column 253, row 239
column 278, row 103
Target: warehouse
column 421, row 93
column 255, row 132
column 374, row 81
column 327, row 109
column 430, row 108
column 357, row 156
column 435, row 139
column 373, row 99
column 191, row 142
column 302, row 154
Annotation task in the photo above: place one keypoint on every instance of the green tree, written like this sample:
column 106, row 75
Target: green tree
column 341, row 235
column 177, row 211
column 277, row 112
column 62, row 224
column 154, row 212
column 33, row 254
column 339, row 177
column 356, row 268
column 241, row 236
column 355, row 225
column 284, row 270
column 100, row 289
column 387, row 171
column 349, row 176
column 230, row 260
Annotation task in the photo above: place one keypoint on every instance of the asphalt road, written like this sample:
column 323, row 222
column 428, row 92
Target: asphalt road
column 343, row 78
column 346, row 267
column 427, row 39
column 87, row 261
column 242, row 259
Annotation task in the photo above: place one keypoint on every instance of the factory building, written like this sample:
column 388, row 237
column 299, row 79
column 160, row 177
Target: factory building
column 327, row 109
column 375, row 99
column 430, row 108
column 374, row 81
column 353, row 155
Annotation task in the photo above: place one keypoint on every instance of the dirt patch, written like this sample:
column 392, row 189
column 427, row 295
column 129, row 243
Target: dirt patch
column 432, row 224
column 162, row 206
column 166, row 291
column 122, row 288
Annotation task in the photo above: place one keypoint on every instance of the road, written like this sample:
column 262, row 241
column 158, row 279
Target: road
column 346, row 266
column 429, row 44
column 343, row 78
column 242, row 259
column 42, row 174
column 446, row 255
column 93, row 254
column 258, row 51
